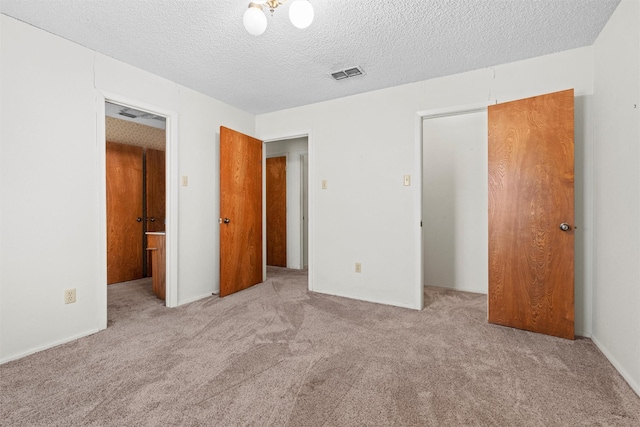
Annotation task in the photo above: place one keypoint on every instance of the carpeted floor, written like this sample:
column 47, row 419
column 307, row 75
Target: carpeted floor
column 278, row 355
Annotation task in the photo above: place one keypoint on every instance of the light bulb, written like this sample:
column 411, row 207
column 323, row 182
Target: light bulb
column 254, row 20
column 301, row 13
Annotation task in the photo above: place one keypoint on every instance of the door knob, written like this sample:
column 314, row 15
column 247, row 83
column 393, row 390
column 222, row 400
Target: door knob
column 152, row 219
column 139, row 219
column 226, row 220
column 565, row 227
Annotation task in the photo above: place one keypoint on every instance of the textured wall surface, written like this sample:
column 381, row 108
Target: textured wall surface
column 129, row 133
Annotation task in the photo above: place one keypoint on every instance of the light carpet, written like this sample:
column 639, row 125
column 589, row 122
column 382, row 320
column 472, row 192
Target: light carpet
column 278, row 355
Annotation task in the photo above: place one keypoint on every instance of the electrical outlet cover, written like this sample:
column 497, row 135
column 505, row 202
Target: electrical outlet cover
column 69, row 296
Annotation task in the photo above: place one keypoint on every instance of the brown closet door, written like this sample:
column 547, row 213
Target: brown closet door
column 155, row 175
column 124, row 212
column 530, row 195
column 155, row 195
column 240, row 211
column 276, row 177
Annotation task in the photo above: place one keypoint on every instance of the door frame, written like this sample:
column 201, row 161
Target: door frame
column 171, row 196
column 419, row 117
column 304, row 245
column 310, row 194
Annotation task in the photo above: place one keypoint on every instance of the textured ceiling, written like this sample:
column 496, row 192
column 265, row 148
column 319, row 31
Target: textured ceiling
column 202, row 44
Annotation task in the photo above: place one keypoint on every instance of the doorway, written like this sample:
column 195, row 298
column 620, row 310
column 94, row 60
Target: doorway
column 293, row 154
column 529, row 152
column 135, row 179
column 454, row 201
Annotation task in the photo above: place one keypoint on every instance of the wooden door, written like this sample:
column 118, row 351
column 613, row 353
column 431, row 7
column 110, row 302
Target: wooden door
column 154, row 195
column 530, row 195
column 124, row 212
column 240, row 211
column 276, row 199
column 156, row 247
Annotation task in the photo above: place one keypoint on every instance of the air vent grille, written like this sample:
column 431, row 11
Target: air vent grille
column 347, row 72
column 137, row 114
column 352, row 72
column 339, row 75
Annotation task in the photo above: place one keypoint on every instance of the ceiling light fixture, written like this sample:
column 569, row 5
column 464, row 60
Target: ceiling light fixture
column 255, row 21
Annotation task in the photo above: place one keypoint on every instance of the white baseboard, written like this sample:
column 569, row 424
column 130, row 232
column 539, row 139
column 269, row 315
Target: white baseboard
column 635, row 386
column 381, row 301
column 187, row 301
column 47, row 346
column 459, row 289
column 583, row 334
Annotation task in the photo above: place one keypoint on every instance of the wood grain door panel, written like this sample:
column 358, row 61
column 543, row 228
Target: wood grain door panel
column 276, row 200
column 155, row 195
column 241, row 204
column 124, row 206
column 531, row 186
column 156, row 247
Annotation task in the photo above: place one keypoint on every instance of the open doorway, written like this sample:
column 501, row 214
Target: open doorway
column 135, row 176
column 454, row 199
column 286, row 203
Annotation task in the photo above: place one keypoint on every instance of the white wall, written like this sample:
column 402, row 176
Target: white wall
column 455, row 202
column 616, row 303
column 50, row 175
column 364, row 144
column 293, row 148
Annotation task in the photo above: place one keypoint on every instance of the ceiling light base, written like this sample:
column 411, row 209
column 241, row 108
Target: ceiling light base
column 255, row 22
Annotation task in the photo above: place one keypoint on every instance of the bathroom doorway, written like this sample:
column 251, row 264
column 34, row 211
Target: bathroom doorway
column 136, row 194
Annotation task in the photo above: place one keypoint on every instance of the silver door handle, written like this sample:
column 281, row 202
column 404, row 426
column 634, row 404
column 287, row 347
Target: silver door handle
column 565, row 227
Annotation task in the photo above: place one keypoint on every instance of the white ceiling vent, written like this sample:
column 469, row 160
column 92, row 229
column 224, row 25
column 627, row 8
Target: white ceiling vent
column 135, row 114
column 127, row 114
column 347, row 72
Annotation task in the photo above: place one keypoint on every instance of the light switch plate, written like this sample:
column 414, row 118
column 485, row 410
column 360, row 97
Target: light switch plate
column 407, row 180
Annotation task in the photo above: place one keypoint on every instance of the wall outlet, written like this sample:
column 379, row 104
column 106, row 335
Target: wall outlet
column 358, row 267
column 69, row 296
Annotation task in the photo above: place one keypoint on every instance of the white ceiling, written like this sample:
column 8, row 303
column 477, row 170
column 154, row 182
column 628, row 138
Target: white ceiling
column 202, row 44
